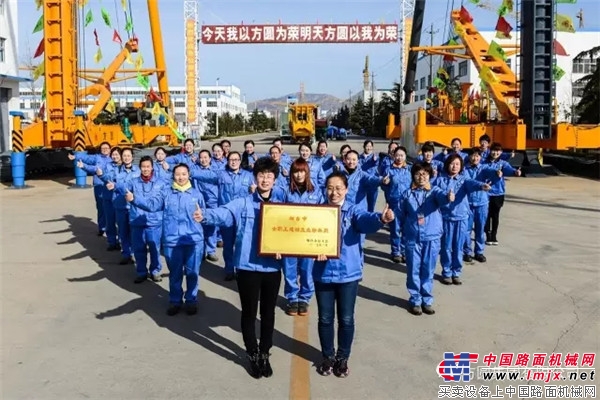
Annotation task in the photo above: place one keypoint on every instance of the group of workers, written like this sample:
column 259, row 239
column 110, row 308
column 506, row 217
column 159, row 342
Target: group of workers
column 186, row 205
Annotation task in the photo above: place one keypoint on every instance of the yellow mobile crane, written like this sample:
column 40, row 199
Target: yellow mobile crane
column 67, row 125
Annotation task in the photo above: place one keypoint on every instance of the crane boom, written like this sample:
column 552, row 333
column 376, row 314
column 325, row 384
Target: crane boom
column 415, row 40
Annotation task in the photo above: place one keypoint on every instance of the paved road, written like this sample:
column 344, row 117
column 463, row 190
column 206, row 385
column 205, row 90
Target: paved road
column 75, row 326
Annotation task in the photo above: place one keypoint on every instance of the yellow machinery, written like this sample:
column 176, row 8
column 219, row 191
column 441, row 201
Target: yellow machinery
column 66, row 125
column 471, row 119
column 302, row 122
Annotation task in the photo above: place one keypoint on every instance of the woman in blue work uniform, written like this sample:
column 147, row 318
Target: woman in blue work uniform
column 219, row 161
column 233, row 182
column 359, row 182
column 422, row 230
column 110, row 214
column 90, row 163
column 283, row 178
column 396, row 181
column 120, row 175
column 328, row 160
column 161, row 167
column 339, row 164
column 258, row 278
column 336, row 280
column 368, row 163
column 186, row 157
column 455, row 216
column 182, row 236
column 146, row 227
column 316, row 170
column 302, row 190
column 386, row 159
column 249, row 157
column 210, row 191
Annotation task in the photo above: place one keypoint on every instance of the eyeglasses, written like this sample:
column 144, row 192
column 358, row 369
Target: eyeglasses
column 421, row 174
column 235, row 159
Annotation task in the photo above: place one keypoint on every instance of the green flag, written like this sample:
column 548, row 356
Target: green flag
column 557, row 73
column 88, row 18
column 502, row 10
column 566, row 1
column 475, row 1
column 496, row 51
column 39, row 25
column 144, row 81
column 43, row 90
column 105, row 17
column 128, row 24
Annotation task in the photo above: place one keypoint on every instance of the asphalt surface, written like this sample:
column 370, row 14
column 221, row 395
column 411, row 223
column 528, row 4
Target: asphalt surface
column 74, row 325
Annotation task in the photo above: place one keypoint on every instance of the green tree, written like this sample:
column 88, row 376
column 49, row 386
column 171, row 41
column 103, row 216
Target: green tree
column 342, row 118
column 588, row 108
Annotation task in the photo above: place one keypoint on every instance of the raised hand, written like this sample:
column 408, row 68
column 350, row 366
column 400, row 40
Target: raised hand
column 386, row 180
column 500, row 173
column 486, row 187
column 252, row 188
column 387, row 215
column 110, row 186
column 451, row 196
column 79, row 164
column 128, row 196
column 99, row 171
column 518, row 172
column 165, row 165
column 198, row 217
column 71, row 157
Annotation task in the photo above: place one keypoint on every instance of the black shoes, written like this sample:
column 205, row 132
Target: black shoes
column 468, row 259
column 191, row 309
column 428, row 310
column 340, row 368
column 126, row 260
column 302, row 308
column 416, row 310
column 156, row 278
column 291, row 309
column 230, row 276
column 260, row 365
column 140, row 279
column 212, row 257
column 173, row 310
column 326, row 367
column 480, row 257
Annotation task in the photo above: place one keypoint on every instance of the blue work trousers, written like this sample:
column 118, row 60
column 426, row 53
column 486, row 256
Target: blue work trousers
column 453, row 243
column 372, row 199
column 98, row 189
column 210, row 238
column 396, row 240
column 183, row 259
column 228, row 248
column 110, row 216
column 146, row 239
column 477, row 220
column 330, row 295
column 124, row 231
column 421, row 258
column 294, row 268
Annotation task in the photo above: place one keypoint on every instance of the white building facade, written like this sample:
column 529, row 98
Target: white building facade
column 9, row 68
column 567, row 92
column 212, row 99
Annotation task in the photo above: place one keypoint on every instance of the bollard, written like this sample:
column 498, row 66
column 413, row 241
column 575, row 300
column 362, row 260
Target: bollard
column 80, row 174
column 17, row 160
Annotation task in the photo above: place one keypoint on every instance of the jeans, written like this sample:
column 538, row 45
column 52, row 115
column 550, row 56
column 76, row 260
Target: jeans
column 328, row 296
column 146, row 239
column 253, row 287
column 183, row 259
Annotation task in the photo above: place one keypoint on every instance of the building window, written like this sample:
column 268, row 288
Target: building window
column 578, row 89
column 179, row 103
column 211, row 104
column 584, row 66
column 428, row 81
column 422, row 83
column 463, row 67
column 450, row 70
column 2, row 48
column 35, row 105
column 509, row 63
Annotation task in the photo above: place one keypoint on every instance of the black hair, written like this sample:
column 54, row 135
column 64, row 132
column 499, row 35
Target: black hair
column 277, row 140
column 304, row 144
column 322, row 142
column 104, row 143
column 456, row 139
column 337, row 174
column 127, row 149
column 216, row 145
column 247, row 142
column 205, row 151
column 476, row 150
column 274, row 147
column 400, row 148
column 159, row 148
column 451, row 158
column 418, row 167
column 495, row 146
column 390, row 144
column 346, row 146
column 485, row 137
column 146, row 158
column 426, row 148
column 352, row 152
column 117, row 149
column 225, row 141
column 190, row 141
column 366, row 142
column 265, row 165
column 234, row 153
column 180, row 165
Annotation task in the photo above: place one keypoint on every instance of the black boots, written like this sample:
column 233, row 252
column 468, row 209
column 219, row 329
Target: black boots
column 260, row 365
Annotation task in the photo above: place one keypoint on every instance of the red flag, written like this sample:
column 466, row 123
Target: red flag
column 42, row 111
column 559, row 50
column 154, row 96
column 40, row 49
column 116, row 37
column 464, row 15
column 96, row 37
column 503, row 26
column 448, row 58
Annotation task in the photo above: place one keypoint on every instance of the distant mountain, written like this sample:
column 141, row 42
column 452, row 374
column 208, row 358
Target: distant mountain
column 326, row 102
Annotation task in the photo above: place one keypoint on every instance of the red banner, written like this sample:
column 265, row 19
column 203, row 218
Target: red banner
column 306, row 33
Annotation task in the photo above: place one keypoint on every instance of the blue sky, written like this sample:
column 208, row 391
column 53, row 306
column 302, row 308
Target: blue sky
column 263, row 70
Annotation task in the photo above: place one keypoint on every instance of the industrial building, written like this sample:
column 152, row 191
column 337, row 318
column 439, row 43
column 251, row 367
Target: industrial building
column 9, row 78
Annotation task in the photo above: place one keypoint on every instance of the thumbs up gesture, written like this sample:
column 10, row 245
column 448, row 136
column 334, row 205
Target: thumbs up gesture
column 387, row 215
column 486, row 187
column 128, row 196
column 386, row 180
column 252, row 188
column 499, row 173
column 445, row 151
column 518, row 172
column 110, row 186
column 71, row 157
column 198, row 217
column 165, row 165
column 451, row 196
column 79, row 164
column 99, row 171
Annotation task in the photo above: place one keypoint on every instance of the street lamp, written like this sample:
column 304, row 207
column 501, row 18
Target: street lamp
column 244, row 115
column 217, row 125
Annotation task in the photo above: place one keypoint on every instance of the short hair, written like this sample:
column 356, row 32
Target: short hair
column 265, row 165
column 400, row 148
column 247, row 142
column 180, row 165
column 451, row 158
column 427, row 148
column 216, row 146
column 476, row 150
column 304, row 144
column 190, row 141
column 366, row 142
column 276, row 148
column 337, row 174
column 456, row 140
column 496, row 146
column 352, row 152
column 146, row 158
column 322, row 142
column 485, row 137
column 225, row 141
column 159, row 149
column 418, row 167
column 205, row 151
column 234, row 153
column 300, row 164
